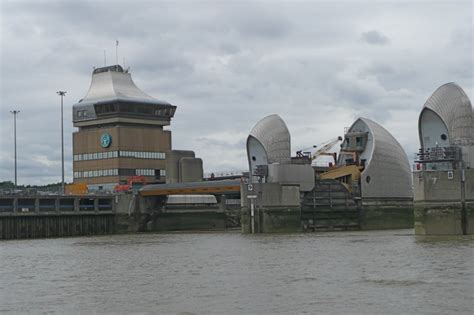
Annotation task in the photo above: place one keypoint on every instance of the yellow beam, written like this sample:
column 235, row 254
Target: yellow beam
column 343, row 171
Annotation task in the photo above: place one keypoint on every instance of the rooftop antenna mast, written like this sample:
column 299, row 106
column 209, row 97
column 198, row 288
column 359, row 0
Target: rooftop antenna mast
column 116, row 51
column 105, row 58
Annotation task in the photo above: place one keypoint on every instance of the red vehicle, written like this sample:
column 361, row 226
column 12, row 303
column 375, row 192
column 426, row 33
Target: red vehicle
column 132, row 183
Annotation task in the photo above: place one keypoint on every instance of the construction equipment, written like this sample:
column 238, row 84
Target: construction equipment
column 323, row 150
column 348, row 172
column 348, row 175
column 132, row 183
column 75, row 189
column 304, row 152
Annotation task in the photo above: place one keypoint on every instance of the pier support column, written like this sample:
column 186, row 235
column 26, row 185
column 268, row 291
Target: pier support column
column 37, row 205
column 76, row 204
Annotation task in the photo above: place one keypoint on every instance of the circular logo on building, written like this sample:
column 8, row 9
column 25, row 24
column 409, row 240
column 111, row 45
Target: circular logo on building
column 105, row 140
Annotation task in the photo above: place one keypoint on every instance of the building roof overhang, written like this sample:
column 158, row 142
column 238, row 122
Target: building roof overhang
column 113, row 84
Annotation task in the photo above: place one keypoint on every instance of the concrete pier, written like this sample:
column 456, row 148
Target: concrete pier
column 386, row 213
column 136, row 213
column 270, row 208
column 328, row 207
column 444, row 202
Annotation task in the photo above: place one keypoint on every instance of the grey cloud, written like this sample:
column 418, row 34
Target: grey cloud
column 263, row 26
column 226, row 65
column 230, row 48
column 224, row 144
column 375, row 38
column 380, row 69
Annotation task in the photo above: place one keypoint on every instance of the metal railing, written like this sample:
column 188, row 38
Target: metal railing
column 223, row 174
column 438, row 154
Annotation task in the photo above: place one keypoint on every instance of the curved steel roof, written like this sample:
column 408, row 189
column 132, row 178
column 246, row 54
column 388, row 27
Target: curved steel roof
column 452, row 105
column 113, row 84
column 274, row 136
column 387, row 165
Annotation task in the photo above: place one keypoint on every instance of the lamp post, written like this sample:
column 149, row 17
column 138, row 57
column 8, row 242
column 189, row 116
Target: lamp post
column 62, row 94
column 15, row 112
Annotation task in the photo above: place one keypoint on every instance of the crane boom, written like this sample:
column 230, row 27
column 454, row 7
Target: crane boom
column 326, row 147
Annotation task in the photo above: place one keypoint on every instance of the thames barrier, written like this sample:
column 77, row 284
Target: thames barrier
column 128, row 177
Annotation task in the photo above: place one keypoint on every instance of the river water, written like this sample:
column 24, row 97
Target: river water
column 381, row 272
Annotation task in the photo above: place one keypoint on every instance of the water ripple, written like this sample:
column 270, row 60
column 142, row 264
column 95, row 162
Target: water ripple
column 389, row 272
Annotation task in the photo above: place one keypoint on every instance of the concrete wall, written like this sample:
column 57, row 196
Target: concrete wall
column 436, row 186
column 172, row 164
column 276, row 208
column 382, row 214
column 439, row 206
column 190, row 170
column 271, row 195
column 294, row 174
column 187, row 220
column 39, row 226
column 468, row 155
column 182, row 166
column 438, row 218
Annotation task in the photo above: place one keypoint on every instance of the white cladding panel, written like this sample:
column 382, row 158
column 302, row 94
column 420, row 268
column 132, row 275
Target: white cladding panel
column 387, row 173
column 274, row 136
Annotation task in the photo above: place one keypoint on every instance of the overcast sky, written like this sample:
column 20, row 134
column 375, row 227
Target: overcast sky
column 319, row 65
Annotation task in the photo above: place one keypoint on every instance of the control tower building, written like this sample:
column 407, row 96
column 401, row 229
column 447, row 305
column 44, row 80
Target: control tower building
column 121, row 131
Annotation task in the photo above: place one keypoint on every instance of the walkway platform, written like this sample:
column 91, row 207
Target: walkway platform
column 205, row 187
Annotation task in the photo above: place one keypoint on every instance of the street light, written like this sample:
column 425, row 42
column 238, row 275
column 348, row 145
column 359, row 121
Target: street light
column 62, row 94
column 15, row 112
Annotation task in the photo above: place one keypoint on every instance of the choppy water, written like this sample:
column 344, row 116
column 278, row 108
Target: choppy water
column 199, row 273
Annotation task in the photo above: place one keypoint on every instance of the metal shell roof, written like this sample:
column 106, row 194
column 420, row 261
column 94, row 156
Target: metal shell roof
column 387, row 164
column 113, row 84
column 452, row 105
column 274, row 136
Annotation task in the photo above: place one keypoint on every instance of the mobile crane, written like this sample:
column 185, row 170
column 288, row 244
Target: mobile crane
column 323, row 150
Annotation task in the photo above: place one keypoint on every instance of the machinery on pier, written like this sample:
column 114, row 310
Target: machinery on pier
column 323, row 150
column 348, row 166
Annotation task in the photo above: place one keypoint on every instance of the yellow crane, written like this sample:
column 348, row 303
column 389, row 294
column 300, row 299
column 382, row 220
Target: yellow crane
column 348, row 175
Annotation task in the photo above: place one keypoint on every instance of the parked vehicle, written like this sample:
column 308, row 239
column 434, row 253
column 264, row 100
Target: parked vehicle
column 133, row 183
